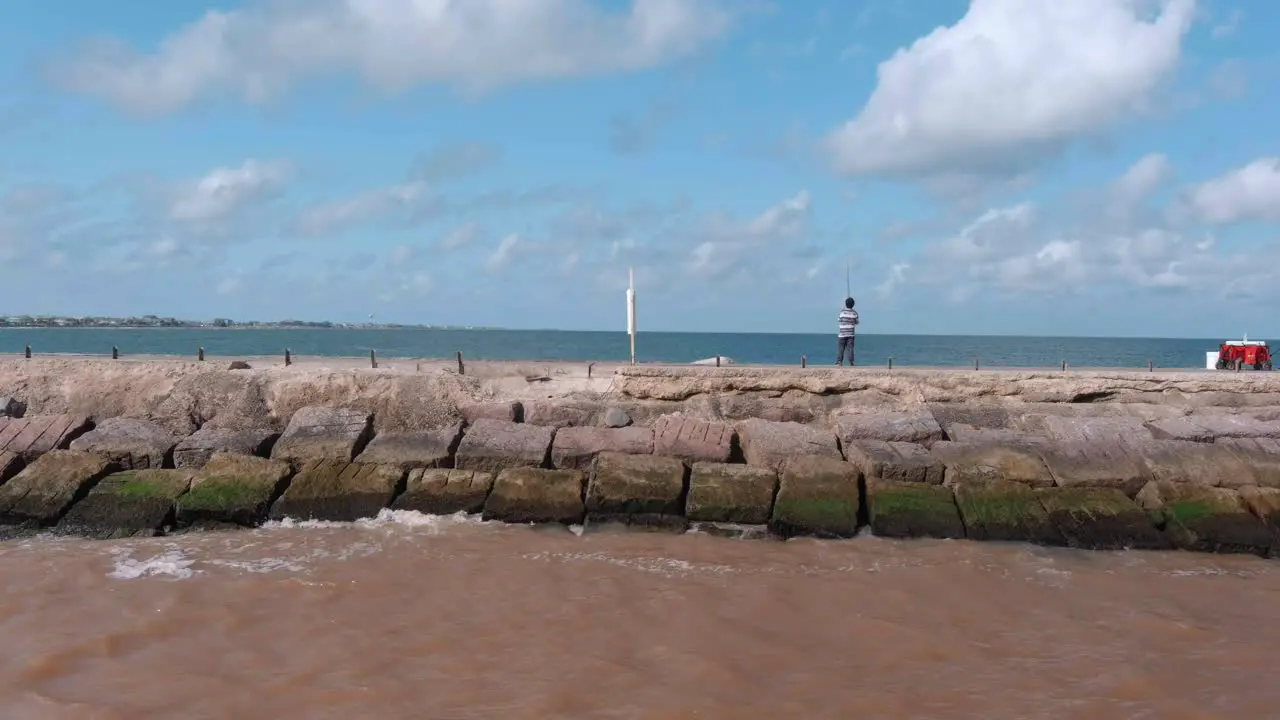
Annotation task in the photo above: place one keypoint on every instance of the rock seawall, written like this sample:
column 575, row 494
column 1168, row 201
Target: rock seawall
column 1088, row 460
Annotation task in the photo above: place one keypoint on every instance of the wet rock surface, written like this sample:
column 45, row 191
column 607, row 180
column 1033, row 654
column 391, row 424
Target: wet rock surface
column 731, row 493
column 894, row 461
column 495, row 445
column 134, row 444
column 638, row 490
column 1100, row 518
column 409, row 449
column 338, row 490
column 535, row 495
column 319, row 433
column 196, row 449
column 49, row 486
column 912, row 509
column 134, row 503
column 1094, row 464
column 32, row 436
column 818, row 495
column 232, row 489
column 1205, row 519
column 968, row 463
column 693, row 440
column 1261, row 455
column 769, row 444
column 444, row 491
column 576, row 448
column 1194, row 463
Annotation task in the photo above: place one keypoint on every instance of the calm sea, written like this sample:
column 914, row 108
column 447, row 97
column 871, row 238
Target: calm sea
column 743, row 348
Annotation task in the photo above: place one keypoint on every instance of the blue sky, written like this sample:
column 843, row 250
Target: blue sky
column 1100, row 167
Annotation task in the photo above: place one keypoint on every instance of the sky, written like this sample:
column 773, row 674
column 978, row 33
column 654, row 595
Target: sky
column 1094, row 167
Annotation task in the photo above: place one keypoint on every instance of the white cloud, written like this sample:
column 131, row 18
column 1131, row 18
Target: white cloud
column 339, row 215
column 224, row 191
column 1143, row 177
column 229, row 285
column 1251, row 192
column 459, row 237
column 1009, row 82
column 478, row 45
column 725, row 245
column 502, row 254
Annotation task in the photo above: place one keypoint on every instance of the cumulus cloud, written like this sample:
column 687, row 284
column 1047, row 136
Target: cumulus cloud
column 478, row 45
column 1010, row 82
column 226, row 190
column 1251, row 192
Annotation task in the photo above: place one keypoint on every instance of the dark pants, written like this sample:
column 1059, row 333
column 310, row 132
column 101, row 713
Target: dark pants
column 845, row 342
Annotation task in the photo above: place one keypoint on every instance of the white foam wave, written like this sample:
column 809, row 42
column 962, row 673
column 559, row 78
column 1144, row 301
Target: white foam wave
column 385, row 519
column 668, row 567
column 172, row 563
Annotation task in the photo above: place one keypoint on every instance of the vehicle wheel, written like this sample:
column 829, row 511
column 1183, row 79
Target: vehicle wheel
column 1237, row 364
column 1259, row 366
column 1222, row 364
column 1266, row 365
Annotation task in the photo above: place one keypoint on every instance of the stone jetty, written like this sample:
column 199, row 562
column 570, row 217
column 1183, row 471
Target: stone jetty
column 1092, row 460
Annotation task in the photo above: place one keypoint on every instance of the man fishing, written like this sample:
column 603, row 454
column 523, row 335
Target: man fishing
column 848, row 321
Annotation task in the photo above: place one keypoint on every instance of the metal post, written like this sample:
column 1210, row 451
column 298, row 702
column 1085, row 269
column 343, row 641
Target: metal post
column 717, row 361
column 1151, row 366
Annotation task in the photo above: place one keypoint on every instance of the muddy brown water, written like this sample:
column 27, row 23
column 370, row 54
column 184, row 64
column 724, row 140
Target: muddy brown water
column 415, row 617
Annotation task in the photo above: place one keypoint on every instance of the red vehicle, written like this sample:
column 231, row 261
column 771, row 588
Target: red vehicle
column 1237, row 354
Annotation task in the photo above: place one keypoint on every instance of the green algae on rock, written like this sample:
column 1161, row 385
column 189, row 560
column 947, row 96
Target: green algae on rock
column 817, row 495
column 730, row 493
column 233, row 489
column 1205, row 519
column 1100, row 519
column 535, row 495
column 338, row 490
column 134, row 503
column 1005, row 510
column 912, row 509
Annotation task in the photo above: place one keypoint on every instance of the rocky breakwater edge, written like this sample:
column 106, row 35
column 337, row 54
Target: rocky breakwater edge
column 1101, row 461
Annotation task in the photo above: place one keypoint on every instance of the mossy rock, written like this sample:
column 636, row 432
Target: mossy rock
column 233, row 489
column 135, row 503
column 1101, row 519
column 819, row 496
column 339, row 491
column 1008, row 511
column 730, row 493
column 534, row 495
column 1205, row 519
column 912, row 509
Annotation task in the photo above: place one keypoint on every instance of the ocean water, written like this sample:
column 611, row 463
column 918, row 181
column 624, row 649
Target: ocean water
column 743, row 348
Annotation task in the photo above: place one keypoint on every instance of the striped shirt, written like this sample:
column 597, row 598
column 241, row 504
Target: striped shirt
column 848, row 319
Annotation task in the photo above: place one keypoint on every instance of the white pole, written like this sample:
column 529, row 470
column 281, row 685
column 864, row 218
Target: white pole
column 631, row 312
